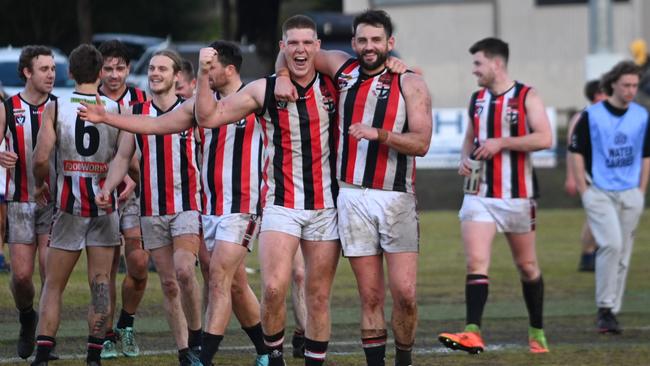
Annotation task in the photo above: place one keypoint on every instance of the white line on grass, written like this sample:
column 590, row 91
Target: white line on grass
column 490, row 348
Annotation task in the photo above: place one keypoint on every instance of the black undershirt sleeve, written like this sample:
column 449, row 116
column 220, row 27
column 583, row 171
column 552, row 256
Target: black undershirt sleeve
column 646, row 140
column 580, row 140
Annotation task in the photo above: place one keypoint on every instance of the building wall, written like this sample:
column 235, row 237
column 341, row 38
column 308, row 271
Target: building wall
column 548, row 44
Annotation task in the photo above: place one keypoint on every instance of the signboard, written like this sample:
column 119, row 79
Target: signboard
column 449, row 125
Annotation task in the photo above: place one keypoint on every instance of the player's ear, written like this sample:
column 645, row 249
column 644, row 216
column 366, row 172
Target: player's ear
column 391, row 43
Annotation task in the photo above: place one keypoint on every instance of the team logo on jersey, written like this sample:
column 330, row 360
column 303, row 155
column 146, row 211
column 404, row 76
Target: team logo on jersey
column 382, row 88
column 183, row 134
column 620, row 138
column 84, row 166
column 512, row 112
column 20, row 118
column 343, row 80
column 478, row 108
column 241, row 123
column 281, row 104
column 327, row 99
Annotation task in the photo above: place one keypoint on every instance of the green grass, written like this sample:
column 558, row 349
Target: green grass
column 569, row 306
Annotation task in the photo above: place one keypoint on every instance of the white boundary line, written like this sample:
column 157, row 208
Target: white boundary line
column 421, row 351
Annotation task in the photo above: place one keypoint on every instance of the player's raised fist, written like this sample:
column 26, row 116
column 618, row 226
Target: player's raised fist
column 207, row 56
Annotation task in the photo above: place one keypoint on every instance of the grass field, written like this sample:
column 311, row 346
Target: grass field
column 569, row 307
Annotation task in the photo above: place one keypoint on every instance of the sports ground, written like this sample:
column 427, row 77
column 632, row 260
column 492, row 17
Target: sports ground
column 569, row 307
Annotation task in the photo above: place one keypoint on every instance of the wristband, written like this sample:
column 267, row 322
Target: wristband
column 282, row 72
column 382, row 135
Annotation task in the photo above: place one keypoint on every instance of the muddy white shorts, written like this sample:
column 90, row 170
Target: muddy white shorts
column 313, row 225
column 26, row 220
column 372, row 221
column 511, row 215
column 237, row 228
column 159, row 231
column 70, row 232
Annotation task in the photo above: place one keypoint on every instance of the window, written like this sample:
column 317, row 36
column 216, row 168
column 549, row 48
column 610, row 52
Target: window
column 563, row 2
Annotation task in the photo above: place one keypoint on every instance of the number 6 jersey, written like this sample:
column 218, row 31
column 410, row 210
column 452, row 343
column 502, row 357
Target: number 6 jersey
column 83, row 152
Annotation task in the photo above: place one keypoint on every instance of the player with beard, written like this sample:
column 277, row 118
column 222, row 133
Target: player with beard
column 376, row 171
column 28, row 225
column 169, row 204
column 231, row 181
column 114, row 73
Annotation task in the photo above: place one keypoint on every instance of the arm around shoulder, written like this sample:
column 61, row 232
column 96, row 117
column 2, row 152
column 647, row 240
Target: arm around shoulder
column 232, row 108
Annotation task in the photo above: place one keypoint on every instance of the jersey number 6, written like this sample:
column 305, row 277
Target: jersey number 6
column 80, row 132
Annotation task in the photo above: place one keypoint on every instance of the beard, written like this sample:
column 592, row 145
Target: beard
column 162, row 88
column 381, row 59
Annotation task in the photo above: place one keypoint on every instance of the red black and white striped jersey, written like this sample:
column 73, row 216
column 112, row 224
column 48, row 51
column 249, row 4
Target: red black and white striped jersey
column 83, row 152
column 299, row 140
column 169, row 177
column 23, row 121
column 376, row 101
column 130, row 97
column 509, row 174
column 231, row 167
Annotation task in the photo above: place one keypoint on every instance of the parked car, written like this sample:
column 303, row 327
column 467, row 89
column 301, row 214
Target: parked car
column 335, row 30
column 252, row 66
column 135, row 43
column 13, row 84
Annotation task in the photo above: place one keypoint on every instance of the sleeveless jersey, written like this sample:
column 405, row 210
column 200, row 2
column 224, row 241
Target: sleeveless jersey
column 83, row 152
column 299, row 140
column 231, row 170
column 375, row 101
column 509, row 174
column 169, row 178
column 23, row 121
column 130, row 97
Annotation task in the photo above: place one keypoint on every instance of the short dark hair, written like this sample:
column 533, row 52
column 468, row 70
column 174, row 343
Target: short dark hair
column 592, row 88
column 114, row 49
column 298, row 22
column 376, row 18
column 187, row 68
column 85, row 63
column 27, row 56
column 491, row 47
column 173, row 55
column 228, row 53
column 620, row 69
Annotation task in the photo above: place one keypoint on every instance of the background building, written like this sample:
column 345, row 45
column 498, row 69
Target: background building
column 549, row 41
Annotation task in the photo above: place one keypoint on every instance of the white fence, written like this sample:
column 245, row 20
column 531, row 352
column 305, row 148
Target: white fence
column 449, row 125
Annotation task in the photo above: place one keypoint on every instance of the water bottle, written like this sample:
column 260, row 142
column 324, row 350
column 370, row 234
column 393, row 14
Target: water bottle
column 472, row 181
